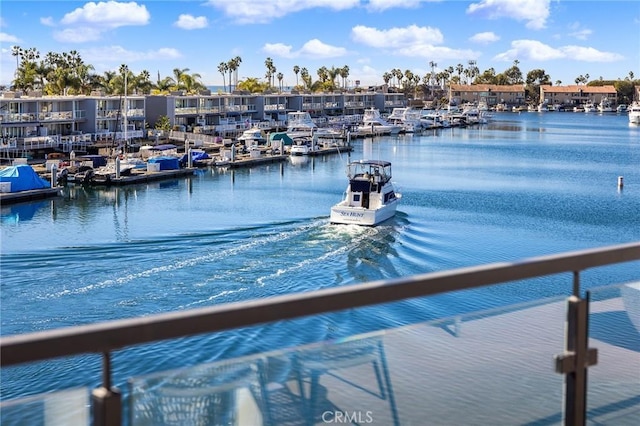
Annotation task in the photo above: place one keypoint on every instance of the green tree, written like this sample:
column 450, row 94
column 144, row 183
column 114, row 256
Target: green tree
column 252, row 85
column 163, row 123
column 296, row 71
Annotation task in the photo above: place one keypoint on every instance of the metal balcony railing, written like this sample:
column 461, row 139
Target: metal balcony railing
column 104, row 338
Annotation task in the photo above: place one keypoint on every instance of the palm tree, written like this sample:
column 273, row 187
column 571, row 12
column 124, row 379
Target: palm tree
column 280, row 77
column 386, row 77
column 397, row 73
column 271, row 69
column 344, row 73
column 296, row 70
column 143, row 82
column 323, row 74
column 178, row 76
column 191, row 82
column 164, row 86
column 17, row 52
column 237, row 61
column 306, row 78
column 459, row 70
column 223, row 67
column 233, row 66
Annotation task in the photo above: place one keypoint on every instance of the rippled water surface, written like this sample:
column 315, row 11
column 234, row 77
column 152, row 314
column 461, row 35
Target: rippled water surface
column 524, row 185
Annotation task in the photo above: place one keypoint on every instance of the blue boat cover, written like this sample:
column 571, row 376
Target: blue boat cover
column 23, row 178
column 166, row 163
column 195, row 156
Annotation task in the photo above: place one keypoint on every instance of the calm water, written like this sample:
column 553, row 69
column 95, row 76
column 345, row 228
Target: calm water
column 524, row 185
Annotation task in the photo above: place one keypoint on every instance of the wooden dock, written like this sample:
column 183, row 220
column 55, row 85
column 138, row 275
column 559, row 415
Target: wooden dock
column 144, row 177
column 7, row 198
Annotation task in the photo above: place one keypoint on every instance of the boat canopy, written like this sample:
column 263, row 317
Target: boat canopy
column 281, row 136
column 164, row 147
column 379, row 168
column 22, row 177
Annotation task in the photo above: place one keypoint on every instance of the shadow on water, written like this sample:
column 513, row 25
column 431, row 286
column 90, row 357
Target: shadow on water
column 614, row 328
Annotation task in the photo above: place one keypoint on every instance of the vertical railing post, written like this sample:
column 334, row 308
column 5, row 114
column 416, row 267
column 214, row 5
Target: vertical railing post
column 573, row 363
column 106, row 400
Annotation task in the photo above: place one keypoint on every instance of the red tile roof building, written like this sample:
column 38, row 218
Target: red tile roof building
column 577, row 94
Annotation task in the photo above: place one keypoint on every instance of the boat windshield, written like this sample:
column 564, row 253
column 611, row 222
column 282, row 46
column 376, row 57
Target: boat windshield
column 380, row 171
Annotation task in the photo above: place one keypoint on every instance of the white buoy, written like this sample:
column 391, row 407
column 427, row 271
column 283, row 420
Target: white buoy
column 620, row 182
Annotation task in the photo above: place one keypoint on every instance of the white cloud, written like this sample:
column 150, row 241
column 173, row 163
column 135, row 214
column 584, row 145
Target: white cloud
column 484, row 38
column 278, row 49
column 589, row 54
column 537, row 51
column 111, row 14
column 190, row 22
column 578, row 32
column 252, row 11
column 89, row 22
column 411, row 41
column 8, row 38
column 77, row 35
column 317, row 49
column 311, row 49
column 534, row 12
column 396, row 37
column 582, row 34
column 118, row 54
column 47, row 21
column 382, row 5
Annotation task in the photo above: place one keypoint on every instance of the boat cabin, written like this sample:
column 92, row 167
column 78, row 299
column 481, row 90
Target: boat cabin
column 367, row 177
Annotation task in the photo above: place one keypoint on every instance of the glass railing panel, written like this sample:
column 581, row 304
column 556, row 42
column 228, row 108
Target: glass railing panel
column 67, row 407
column 613, row 390
column 491, row 367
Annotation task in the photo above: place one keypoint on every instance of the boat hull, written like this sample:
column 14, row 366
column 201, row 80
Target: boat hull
column 344, row 214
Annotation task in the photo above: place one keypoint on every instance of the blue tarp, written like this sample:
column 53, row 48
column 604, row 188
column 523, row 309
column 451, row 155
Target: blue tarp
column 166, row 163
column 23, row 178
column 195, row 156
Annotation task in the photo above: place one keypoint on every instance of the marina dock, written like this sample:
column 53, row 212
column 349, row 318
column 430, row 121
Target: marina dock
column 7, row 198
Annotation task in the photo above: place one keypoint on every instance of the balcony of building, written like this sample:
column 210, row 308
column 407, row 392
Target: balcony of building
column 514, row 364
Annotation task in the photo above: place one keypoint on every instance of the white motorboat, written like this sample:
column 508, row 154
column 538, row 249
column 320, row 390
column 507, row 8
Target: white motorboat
column 634, row 112
column 299, row 148
column 590, row 107
column 407, row 118
column 605, row 105
column 374, row 124
column 253, row 137
column 621, row 108
column 370, row 197
column 301, row 125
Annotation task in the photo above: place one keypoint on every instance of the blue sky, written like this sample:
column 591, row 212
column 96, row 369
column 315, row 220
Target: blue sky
column 371, row 37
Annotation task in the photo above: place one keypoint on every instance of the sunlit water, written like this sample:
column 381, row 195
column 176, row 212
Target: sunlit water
column 524, row 185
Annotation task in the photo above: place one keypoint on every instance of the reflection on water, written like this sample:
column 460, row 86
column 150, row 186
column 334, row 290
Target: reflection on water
column 21, row 212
